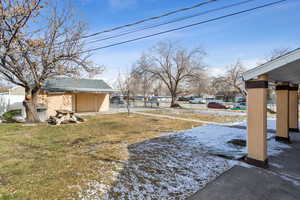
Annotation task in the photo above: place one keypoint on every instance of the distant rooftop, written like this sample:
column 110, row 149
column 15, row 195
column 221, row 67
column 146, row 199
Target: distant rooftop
column 3, row 89
column 76, row 85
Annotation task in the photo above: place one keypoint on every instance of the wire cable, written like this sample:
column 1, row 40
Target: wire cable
column 184, row 27
column 170, row 22
column 149, row 19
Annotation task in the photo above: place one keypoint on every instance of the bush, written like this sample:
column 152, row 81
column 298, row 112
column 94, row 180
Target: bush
column 9, row 115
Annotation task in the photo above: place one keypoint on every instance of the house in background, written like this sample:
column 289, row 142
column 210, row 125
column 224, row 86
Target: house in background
column 11, row 99
column 3, row 90
column 229, row 96
column 208, row 97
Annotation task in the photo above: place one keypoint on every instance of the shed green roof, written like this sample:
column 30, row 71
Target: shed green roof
column 76, row 85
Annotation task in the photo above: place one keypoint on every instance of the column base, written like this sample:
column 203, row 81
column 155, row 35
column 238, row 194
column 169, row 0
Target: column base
column 257, row 163
column 283, row 139
column 294, row 130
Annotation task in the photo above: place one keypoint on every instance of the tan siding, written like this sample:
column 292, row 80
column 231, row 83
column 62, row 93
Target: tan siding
column 103, row 102
column 58, row 102
column 73, row 102
column 42, row 99
column 89, row 102
column 82, row 102
column 85, row 102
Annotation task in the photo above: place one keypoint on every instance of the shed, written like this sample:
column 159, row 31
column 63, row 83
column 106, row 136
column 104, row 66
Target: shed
column 78, row 95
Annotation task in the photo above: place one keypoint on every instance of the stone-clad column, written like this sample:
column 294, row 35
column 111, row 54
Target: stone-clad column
column 257, row 121
column 293, row 109
column 282, row 112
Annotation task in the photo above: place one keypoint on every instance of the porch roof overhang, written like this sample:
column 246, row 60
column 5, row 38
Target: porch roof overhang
column 285, row 68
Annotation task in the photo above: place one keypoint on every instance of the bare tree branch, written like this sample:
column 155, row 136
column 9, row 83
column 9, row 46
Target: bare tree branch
column 174, row 65
column 30, row 54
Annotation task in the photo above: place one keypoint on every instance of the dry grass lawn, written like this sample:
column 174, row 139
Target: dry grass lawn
column 55, row 162
column 203, row 117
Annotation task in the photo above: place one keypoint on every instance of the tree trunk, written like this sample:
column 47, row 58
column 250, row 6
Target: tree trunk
column 128, row 108
column 145, row 101
column 30, row 104
column 128, row 103
column 174, row 104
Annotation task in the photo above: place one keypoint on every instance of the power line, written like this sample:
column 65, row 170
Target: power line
column 171, row 21
column 184, row 27
column 150, row 19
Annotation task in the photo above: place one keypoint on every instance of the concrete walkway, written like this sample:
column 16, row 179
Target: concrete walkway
column 116, row 110
column 180, row 118
column 281, row 181
column 240, row 183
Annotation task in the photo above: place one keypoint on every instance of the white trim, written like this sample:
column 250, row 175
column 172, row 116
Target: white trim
column 272, row 65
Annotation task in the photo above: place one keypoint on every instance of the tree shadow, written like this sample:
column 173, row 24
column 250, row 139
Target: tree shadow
column 167, row 167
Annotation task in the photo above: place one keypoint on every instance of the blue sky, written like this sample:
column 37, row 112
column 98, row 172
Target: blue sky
column 249, row 37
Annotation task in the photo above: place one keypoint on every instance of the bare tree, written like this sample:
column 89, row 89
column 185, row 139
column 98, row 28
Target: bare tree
column 199, row 85
column 218, row 85
column 159, row 88
column 275, row 53
column 144, row 79
column 37, row 41
column 232, row 80
column 174, row 65
column 125, row 86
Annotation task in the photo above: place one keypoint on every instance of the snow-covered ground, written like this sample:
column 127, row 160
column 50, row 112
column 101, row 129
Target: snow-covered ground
column 219, row 112
column 174, row 166
column 207, row 111
column 216, row 138
column 271, row 123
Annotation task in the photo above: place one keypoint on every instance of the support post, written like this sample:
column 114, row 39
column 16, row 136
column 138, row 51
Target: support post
column 257, row 122
column 293, row 109
column 282, row 113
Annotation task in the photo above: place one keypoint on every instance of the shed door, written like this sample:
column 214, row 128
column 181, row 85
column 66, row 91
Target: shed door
column 86, row 102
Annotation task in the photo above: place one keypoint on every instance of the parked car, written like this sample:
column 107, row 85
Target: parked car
column 241, row 100
column 139, row 98
column 183, row 99
column 130, row 98
column 117, row 100
column 216, row 105
column 239, row 106
column 197, row 101
column 208, row 99
column 153, row 100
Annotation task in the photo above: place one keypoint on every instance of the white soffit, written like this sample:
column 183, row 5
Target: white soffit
column 285, row 68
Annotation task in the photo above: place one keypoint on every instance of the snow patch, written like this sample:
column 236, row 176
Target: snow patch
column 176, row 165
column 169, row 167
column 216, row 138
column 219, row 112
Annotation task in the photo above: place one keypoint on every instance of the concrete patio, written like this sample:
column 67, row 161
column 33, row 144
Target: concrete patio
column 280, row 181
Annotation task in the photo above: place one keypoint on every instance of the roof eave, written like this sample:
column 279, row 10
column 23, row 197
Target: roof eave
column 80, row 91
column 271, row 65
